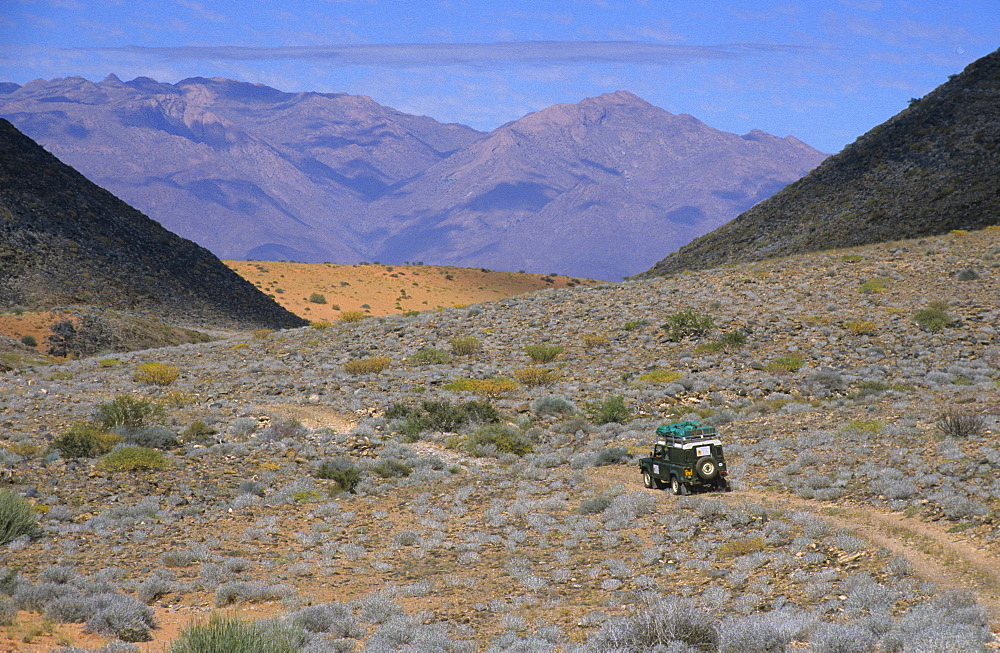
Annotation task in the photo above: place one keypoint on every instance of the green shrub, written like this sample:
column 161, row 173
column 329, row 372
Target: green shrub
column 499, row 438
column 231, row 634
column 968, row 274
column 320, row 325
column 609, row 409
column 442, row 416
column 198, row 432
column 317, row 298
column 346, row 474
column 392, row 468
column 543, row 353
column 17, row 517
column 873, row 286
column 430, row 356
column 124, row 410
column 128, row 459
column 465, row 345
column 633, row 325
column 732, row 340
column 29, row 340
column 687, row 324
column 85, row 440
column 789, row 363
column 932, row 319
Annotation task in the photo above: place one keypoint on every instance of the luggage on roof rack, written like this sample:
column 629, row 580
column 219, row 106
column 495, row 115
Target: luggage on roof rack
column 689, row 429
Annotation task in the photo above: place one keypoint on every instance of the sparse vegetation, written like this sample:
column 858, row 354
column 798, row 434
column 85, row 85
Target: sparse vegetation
column 317, row 298
column 789, row 363
column 430, row 356
column 860, row 327
column 687, row 324
column 369, row 365
column 17, row 518
column 536, row 376
column 543, row 353
column 492, row 387
column 593, row 340
column 465, row 345
column 231, row 634
column 345, row 473
column 130, row 459
column 960, row 425
column 607, row 410
column 85, row 440
column 660, row 376
column 124, row 410
column 352, row 316
column 156, row 374
column 493, row 439
column 873, row 286
column 729, row 341
column 932, row 319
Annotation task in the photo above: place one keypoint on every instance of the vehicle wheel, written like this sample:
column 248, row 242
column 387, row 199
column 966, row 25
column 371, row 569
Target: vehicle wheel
column 723, row 485
column 706, row 468
column 647, row 480
column 675, row 486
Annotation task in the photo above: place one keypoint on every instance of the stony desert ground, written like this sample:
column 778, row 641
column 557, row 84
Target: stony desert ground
column 466, row 479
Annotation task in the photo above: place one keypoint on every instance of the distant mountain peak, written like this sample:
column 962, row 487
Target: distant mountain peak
column 597, row 188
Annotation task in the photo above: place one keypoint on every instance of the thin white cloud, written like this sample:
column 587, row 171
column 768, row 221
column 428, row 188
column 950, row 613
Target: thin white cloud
column 450, row 54
column 204, row 12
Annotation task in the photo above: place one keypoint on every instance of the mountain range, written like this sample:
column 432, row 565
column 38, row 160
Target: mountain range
column 932, row 168
column 601, row 189
column 64, row 240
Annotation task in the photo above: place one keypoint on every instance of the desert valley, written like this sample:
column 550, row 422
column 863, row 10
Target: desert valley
column 278, row 456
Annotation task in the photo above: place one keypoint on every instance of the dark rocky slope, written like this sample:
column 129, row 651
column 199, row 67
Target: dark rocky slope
column 932, row 168
column 64, row 240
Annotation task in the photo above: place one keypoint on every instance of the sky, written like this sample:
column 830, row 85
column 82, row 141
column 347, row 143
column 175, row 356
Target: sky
column 824, row 71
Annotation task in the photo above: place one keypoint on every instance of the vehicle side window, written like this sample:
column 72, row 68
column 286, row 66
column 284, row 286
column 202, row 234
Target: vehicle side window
column 659, row 451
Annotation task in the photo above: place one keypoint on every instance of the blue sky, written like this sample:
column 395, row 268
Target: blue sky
column 824, row 71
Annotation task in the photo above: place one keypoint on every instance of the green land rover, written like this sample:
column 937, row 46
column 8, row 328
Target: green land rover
column 686, row 456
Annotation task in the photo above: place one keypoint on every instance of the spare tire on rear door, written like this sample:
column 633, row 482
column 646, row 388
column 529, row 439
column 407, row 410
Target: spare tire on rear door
column 706, row 468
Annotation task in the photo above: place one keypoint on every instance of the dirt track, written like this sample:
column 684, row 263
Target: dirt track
column 948, row 560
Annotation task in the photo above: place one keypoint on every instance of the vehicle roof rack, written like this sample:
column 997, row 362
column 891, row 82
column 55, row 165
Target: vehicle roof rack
column 686, row 430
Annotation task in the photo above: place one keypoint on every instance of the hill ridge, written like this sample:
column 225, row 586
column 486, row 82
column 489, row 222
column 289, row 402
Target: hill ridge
column 929, row 169
column 65, row 240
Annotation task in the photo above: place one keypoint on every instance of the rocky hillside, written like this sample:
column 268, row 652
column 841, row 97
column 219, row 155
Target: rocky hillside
column 931, row 168
column 466, row 479
column 598, row 189
column 64, row 240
